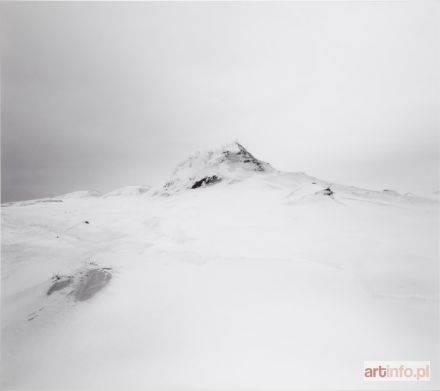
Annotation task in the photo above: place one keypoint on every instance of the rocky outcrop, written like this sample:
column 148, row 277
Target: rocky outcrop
column 82, row 285
column 209, row 180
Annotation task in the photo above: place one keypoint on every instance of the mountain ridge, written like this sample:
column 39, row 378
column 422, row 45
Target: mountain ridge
column 230, row 164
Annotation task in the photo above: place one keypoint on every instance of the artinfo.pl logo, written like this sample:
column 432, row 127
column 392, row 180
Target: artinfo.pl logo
column 397, row 370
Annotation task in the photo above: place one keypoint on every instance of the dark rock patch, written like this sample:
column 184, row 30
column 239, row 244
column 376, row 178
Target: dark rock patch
column 168, row 185
column 328, row 191
column 91, row 283
column 244, row 156
column 86, row 222
column 209, row 180
column 59, row 284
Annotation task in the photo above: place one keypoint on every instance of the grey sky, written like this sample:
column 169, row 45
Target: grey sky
column 102, row 95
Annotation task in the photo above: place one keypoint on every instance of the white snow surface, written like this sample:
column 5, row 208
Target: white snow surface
column 259, row 281
column 128, row 191
column 81, row 194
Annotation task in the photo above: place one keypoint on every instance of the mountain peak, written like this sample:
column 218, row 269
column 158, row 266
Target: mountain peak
column 237, row 153
column 231, row 162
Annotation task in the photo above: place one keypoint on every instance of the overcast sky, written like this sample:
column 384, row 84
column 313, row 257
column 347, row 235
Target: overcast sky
column 103, row 95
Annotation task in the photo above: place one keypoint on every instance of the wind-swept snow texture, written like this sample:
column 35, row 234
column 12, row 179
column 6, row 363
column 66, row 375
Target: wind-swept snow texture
column 257, row 280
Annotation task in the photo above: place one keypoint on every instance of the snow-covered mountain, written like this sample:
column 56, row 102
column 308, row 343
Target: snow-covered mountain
column 230, row 164
column 232, row 275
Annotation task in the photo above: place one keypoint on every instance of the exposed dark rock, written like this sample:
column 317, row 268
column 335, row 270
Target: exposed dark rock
column 243, row 155
column 60, row 283
column 209, row 180
column 91, row 283
column 168, row 185
column 86, row 222
column 249, row 158
column 83, row 284
column 327, row 191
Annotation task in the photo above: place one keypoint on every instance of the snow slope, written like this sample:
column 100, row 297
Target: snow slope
column 256, row 280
